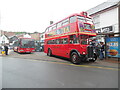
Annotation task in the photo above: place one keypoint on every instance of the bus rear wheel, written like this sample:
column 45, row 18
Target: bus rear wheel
column 49, row 52
column 75, row 59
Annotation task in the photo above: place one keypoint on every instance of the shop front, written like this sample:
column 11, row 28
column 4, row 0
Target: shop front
column 111, row 41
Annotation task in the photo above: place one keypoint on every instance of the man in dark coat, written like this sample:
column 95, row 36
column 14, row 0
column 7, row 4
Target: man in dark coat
column 102, row 49
column 6, row 49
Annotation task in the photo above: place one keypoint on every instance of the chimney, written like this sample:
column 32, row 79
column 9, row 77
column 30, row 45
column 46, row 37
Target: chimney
column 51, row 22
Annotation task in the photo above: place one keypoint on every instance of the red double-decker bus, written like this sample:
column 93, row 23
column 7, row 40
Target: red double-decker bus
column 71, row 38
column 24, row 45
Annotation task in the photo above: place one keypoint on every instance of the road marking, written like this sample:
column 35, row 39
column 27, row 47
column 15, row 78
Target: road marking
column 94, row 67
column 88, row 66
column 67, row 63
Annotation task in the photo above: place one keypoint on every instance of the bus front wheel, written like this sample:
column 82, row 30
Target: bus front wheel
column 49, row 52
column 13, row 49
column 75, row 59
column 95, row 58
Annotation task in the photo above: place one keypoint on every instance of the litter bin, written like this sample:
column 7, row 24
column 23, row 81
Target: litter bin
column 3, row 52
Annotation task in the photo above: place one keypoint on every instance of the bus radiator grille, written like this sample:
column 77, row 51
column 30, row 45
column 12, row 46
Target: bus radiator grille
column 90, row 52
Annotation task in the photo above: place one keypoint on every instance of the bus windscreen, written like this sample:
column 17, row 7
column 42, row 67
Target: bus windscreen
column 27, row 43
column 83, row 19
column 86, row 39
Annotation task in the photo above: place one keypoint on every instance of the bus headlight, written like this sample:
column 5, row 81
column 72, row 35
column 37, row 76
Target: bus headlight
column 83, row 52
column 21, row 50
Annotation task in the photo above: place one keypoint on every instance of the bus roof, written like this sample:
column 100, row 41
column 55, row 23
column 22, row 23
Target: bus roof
column 75, row 14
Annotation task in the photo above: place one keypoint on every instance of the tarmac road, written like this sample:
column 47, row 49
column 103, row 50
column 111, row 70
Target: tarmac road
column 31, row 73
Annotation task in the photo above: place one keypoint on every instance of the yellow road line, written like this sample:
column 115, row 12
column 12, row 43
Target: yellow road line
column 88, row 66
column 94, row 67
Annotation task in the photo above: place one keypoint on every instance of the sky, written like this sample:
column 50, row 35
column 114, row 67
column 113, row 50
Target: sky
column 35, row 15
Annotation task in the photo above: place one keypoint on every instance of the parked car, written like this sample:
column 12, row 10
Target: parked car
column 0, row 47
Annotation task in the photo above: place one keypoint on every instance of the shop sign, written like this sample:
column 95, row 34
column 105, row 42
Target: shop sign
column 98, row 30
column 113, row 45
column 107, row 29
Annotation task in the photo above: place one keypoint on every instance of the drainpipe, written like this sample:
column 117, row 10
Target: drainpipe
column 119, row 17
column 119, row 23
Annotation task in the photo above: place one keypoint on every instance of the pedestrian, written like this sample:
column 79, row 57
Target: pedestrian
column 41, row 49
column 6, row 49
column 3, row 51
column 98, row 49
column 102, row 49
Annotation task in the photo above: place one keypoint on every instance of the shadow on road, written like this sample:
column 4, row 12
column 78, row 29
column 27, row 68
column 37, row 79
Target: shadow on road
column 67, row 59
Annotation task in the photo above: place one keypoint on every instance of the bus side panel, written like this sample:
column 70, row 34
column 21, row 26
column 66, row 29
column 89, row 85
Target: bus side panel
column 45, row 46
column 64, row 50
column 74, row 47
column 73, row 27
column 56, row 49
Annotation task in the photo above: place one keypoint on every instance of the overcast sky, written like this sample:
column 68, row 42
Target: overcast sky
column 35, row 15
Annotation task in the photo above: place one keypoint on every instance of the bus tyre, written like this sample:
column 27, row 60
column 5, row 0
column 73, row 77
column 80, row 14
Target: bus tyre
column 13, row 49
column 17, row 50
column 49, row 52
column 75, row 59
column 95, row 58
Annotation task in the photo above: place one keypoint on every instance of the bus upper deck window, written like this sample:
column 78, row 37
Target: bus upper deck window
column 81, row 18
column 65, row 22
column 59, row 24
column 72, row 19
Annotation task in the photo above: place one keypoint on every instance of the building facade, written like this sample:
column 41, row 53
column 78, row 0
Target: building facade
column 42, row 38
column 4, row 40
column 36, row 36
column 106, row 18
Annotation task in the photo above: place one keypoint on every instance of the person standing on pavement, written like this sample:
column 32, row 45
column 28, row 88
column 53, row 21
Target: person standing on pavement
column 2, row 50
column 6, row 49
column 41, row 48
column 102, row 49
column 98, row 49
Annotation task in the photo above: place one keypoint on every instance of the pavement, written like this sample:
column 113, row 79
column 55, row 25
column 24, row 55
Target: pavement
column 4, row 55
column 43, row 57
column 111, row 60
